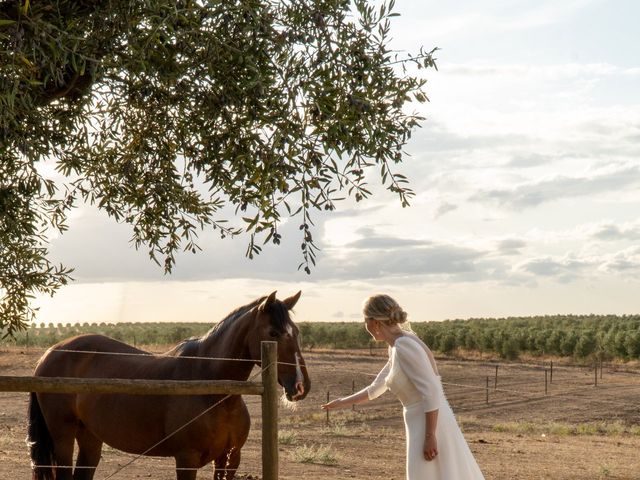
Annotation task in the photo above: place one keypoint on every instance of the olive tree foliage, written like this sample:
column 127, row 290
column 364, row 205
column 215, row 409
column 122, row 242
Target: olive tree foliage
column 161, row 112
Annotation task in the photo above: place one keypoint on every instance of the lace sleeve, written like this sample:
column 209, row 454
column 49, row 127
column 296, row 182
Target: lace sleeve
column 378, row 386
column 416, row 366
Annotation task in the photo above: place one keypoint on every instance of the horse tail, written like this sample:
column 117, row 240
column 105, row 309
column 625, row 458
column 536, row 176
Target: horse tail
column 40, row 442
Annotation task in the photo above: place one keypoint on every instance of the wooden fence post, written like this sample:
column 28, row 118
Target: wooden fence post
column 545, row 381
column 327, row 409
column 353, row 390
column 495, row 384
column 270, row 411
column 551, row 373
column 487, row 390
column 601, row 364
column 596, row 374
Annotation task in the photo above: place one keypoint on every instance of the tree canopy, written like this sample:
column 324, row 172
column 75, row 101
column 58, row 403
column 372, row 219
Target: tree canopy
column 162, row 112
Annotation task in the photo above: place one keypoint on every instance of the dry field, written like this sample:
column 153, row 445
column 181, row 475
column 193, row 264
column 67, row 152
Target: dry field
column 576, row 431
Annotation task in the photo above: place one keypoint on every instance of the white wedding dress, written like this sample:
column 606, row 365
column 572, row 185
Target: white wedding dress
column 412, row 376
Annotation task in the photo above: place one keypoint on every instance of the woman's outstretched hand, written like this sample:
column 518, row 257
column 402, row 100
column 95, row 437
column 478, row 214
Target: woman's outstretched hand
column 344, row 402
column 333, row 404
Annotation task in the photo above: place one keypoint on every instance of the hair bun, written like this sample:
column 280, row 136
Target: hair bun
column 383, row 308
column 397, row 315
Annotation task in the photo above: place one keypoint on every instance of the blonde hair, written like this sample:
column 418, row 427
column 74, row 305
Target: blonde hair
column 384, row 309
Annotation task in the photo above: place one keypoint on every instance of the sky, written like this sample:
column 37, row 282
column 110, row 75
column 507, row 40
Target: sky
column 527, row 181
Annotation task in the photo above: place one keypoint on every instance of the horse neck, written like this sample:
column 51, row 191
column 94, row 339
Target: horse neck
column 230, row 343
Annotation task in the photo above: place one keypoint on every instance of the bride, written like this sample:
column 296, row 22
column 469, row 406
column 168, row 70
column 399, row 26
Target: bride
column 436, row 448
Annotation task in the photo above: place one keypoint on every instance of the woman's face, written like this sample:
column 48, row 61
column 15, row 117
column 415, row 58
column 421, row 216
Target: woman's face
column 372, row 327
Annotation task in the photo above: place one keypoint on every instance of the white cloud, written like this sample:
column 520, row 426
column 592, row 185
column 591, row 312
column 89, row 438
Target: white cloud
column 557, row 188
column 511, row 246
column 565, row 268
column 609, row 231
column 444, row 208
column 464, row 20
column 626, row 261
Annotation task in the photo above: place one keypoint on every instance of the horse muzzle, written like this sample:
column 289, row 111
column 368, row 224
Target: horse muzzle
column 296, row 389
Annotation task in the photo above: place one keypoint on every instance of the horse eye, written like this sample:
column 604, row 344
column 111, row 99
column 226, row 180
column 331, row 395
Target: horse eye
column 273, row 334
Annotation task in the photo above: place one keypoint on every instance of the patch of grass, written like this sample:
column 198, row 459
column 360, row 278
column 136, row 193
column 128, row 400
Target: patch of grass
column 304, row 419
column 605, row 471
column 560, row 429
column 634, row 430
column 337, row 428
column 516, row 427
column 287, row 437
column 343, row 428
column 321, row 455
column 565, row 429
column 586, row 429
column 614, row 428
column 315, row 418
column 602, row 428
column 466, row 421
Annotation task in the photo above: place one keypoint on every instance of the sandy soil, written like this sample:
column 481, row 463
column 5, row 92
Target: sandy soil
column 575, row 431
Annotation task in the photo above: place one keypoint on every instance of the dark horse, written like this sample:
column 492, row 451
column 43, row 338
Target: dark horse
column 135, row 423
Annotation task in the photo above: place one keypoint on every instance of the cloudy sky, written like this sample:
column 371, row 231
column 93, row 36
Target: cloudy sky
column 527, row 174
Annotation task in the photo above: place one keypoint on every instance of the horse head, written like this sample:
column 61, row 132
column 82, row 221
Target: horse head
column 273, row 323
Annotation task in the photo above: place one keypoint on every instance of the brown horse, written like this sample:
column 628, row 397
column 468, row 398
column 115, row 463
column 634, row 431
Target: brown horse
column 147, row 425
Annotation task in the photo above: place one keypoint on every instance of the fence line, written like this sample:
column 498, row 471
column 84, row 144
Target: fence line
column 201, row 387
column 128, row 386
column 162, row 355
column 523, row 395
column 379, row 352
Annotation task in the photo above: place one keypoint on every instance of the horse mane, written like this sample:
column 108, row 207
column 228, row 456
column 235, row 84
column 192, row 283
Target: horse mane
column 279, row 315
column 189, row 347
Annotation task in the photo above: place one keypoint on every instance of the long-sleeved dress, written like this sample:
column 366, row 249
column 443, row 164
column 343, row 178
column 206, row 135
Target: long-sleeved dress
column 412, row 377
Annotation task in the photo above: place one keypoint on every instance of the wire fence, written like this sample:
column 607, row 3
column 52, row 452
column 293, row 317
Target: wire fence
column 498, row 390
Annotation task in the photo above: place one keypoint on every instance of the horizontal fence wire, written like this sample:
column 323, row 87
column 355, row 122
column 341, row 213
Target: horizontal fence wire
column 156, row 466
column 378, row 353
column 166, row 355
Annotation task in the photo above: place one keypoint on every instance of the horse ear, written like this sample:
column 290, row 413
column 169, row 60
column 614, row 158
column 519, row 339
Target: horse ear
column 292, row 300
column 268, row 302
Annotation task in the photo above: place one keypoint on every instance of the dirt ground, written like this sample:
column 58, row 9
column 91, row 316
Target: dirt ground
column 574, row 431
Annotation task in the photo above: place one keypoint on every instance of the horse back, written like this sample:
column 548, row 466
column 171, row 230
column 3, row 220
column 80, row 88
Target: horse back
column 93, row 356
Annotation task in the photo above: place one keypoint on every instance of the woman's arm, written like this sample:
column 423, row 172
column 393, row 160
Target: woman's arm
column 360, row 397
column 430, row 448
column 377, row 388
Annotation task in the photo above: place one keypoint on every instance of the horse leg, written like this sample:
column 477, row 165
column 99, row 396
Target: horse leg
column 227, row 464
column 186, row 466
column 89, row 450
column 63, row 441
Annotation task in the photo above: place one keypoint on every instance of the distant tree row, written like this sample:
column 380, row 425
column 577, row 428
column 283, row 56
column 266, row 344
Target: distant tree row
column 580, row 337
column 137, row 333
